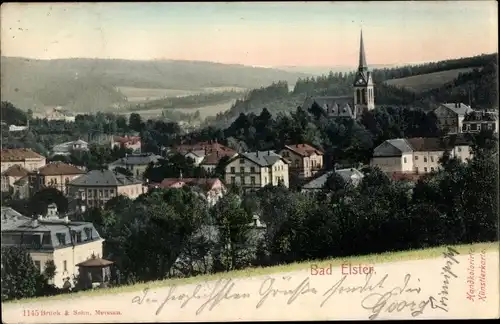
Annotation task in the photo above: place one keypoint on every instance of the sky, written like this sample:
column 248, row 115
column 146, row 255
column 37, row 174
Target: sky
column 252, row 33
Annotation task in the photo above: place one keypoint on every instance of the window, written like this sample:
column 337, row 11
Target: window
column 233, row 180
column 233, row 170
column 425, row 169
column 89, row 194
column 416, row 157
column 425, row 159
column 252, row 180
column 88, row 234
column 38, row 266
column 106, row 193
column 432, row 169
column 252, row 169
column 242, row 169
column 460, row 149
column 242, row 161
column 297, row 162
column 61, row 237
column 242, row 180
column 404, row 159
column 432, row 158
column 490, row 126
column 416, row 170
column 100, row 192
column 65, row 265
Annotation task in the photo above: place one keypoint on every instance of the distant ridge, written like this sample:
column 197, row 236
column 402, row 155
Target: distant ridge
column 86, row 84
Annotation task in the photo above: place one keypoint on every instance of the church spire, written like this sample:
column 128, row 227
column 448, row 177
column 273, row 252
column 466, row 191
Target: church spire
column 362, row 58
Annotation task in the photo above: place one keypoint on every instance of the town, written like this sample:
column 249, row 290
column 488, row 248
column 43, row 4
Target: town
column 92, row 201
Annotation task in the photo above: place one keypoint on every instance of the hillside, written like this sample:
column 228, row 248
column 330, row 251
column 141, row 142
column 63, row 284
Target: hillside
column 429, row 81
column 96, row 84
column 449, row 80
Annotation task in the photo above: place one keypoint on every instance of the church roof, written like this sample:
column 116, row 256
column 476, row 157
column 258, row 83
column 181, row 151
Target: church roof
column 335, row 106
column 362, row 57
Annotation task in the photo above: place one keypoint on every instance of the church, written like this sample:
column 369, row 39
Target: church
column 350, row 106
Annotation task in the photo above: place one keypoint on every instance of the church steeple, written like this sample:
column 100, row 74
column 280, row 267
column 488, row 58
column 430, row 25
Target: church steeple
column 362, row 67
column 363, row 83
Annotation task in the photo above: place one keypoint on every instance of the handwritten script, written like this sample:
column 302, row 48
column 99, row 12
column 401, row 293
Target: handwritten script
column 376, row 295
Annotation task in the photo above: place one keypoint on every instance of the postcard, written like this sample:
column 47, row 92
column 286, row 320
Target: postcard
column 252, row 161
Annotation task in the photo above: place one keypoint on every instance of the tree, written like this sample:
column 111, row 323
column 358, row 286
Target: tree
column 135, row 122
column 41, row 199
column 20, row 277
column 232, row 222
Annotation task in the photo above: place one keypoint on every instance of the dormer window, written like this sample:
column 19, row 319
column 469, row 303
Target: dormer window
column 61, row 238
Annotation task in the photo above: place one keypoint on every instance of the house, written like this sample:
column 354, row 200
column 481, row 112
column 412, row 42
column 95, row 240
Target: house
column 350, row 175
column 417, row 155
column 211, row 160
column 59, row 113
column 11, row 175
column 196, row 155
column 476, row 121
column 127, row 142
column 254, row 170
column 349, row 106
column 24, row 157
column 450, row 116
column 135, row 163
column 205, row 154
column 304, row 159
column 68, row 147
column 96, row 187
column 212, row 189
column 54, row 175
column 65, row 242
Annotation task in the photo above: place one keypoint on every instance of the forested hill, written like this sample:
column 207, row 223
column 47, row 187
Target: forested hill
column 479, row 80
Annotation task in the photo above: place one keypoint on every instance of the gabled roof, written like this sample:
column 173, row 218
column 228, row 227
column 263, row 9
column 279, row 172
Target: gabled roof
column 198, row 153
column 393, row 147
column 105, row 178
column 458, row 108
column 19, row 154
column 204, row 183
column 261, row 158
column 336, row 106
column 304, row 149
column 11, row 219
column 137, row 159
column 348, row 175
column 15, row 171
column 426, row 144
column 214, row 157
column 59, row 168
column 399, row 146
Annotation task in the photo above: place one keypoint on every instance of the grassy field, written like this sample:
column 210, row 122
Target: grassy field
column 367, row 259
column 137, row 95
column 424, row 82
column 205, row 111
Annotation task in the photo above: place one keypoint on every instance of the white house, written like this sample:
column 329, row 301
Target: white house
column 417, row 155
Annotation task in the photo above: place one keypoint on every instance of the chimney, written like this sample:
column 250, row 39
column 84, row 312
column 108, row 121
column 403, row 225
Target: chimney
column 34, row 223
column 66, row 219
column 217, row 153
column 257, row 153
column 459, row 104
column 268, row 152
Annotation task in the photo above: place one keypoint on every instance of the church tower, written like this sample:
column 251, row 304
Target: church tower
column 363, row 84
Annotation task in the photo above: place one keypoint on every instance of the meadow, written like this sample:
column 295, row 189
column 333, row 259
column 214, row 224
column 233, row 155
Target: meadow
column 429, row 81
column 205, row 111
column 136, row 95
